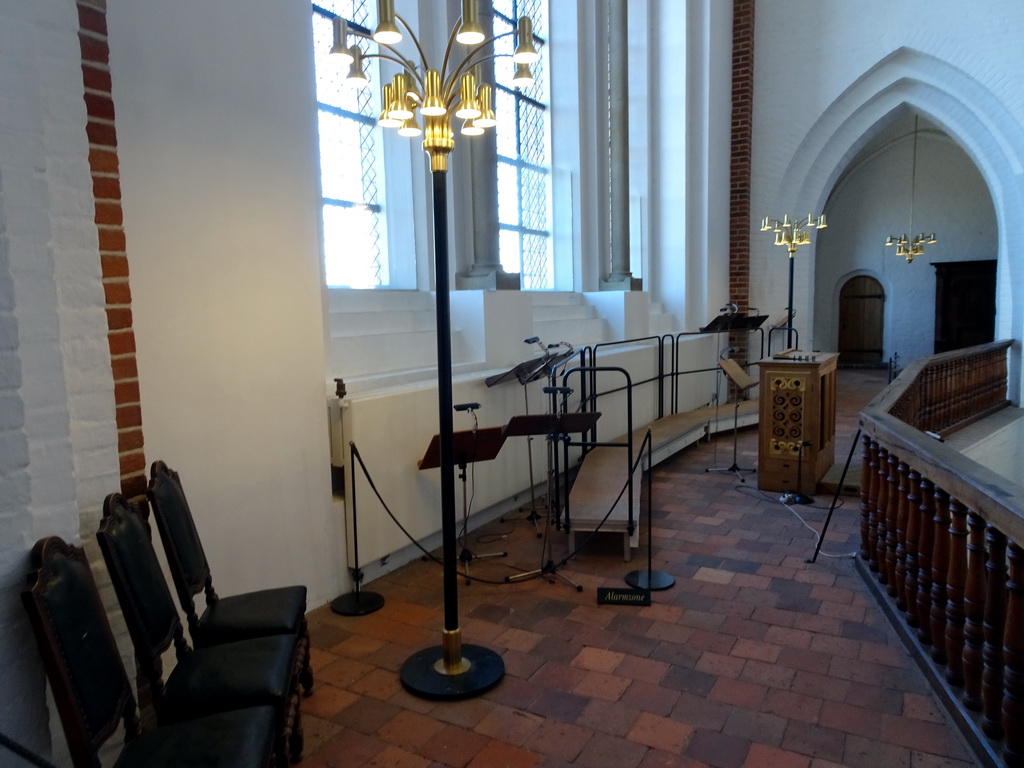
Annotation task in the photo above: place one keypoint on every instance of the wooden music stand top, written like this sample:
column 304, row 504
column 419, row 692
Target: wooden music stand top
column 469, row 446
column 739, row 377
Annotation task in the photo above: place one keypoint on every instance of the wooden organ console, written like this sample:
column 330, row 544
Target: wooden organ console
column 798, row 416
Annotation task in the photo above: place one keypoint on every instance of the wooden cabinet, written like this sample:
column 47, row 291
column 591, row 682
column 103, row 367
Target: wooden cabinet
column 965, row 303
column 798, row 413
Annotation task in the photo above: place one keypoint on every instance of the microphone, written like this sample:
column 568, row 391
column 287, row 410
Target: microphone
column 467, row 406
column 558, row 390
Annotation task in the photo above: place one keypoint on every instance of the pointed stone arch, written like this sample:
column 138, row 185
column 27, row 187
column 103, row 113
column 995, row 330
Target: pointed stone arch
column 967, row 111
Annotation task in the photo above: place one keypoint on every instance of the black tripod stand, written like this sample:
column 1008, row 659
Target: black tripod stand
column 743, row 382
column 557, row 428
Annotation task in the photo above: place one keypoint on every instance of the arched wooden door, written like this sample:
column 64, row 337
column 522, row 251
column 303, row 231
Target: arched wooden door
column 861, row 320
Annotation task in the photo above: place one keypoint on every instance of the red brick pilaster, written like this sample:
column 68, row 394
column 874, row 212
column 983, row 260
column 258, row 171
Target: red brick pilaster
column 739, row 181
column 103, row 162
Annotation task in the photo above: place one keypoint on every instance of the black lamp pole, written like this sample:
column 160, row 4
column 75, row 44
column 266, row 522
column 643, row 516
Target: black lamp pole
column 444, row 401
column 453, row 670
column 789, row 318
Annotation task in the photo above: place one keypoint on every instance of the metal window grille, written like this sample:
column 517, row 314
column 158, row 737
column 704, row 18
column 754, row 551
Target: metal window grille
column 351, row 162
column 524, row 165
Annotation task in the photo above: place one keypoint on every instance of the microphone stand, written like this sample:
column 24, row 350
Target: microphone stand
column 800, row 497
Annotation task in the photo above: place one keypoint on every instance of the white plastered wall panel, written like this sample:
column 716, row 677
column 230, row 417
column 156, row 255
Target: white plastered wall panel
column 217, row 143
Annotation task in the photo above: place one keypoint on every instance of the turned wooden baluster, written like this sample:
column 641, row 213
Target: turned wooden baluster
column 913, row 526
column 995, row 627
column 956, row 581
column 940, row 564
column 900, row 553
column 871, row 482
column 951, row 399
column 1013, row 658
column 866, row 501
column 974, row 612
column 892, row 507
column 881, row 505
column 924, row 561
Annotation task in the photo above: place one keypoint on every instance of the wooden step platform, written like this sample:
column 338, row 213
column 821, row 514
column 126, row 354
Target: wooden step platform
column 604, row 471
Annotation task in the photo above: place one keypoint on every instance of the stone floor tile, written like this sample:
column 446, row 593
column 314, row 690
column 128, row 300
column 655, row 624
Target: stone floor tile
column 498, row 753
column 512, row 726
column 606, row 751
column 815, row 741
column 559, row 739
column 764, row 756
column 660, row 732
column 410, row 729
column 453, row 746
column 327, row 701
column 717, row 749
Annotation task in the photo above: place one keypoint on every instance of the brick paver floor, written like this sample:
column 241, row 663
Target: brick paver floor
column 754, row 658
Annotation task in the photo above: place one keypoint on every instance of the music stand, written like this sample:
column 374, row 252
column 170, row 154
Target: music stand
column 523, row 372
column 469, row 446
column 526, row 372
column 552, row 426
column 743, row 382
column 734, row 323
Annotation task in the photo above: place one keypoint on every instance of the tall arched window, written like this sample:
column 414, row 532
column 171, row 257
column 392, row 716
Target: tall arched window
column 351, row 163
column 364, row 172
column 524, row 153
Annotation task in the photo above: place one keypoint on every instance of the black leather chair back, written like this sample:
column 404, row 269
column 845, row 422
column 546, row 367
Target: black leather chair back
column 88, row 679
column 142, row 590
column 185, row 556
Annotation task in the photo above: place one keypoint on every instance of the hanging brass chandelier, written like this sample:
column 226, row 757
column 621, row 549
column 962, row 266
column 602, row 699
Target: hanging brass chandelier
column 909, row 247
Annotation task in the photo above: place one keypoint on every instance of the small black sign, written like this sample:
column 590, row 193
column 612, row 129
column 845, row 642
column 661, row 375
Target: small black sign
column 619, row 596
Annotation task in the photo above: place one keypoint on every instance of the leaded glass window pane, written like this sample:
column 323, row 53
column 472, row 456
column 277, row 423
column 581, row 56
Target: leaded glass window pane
column 524, row 164
column 351, row 159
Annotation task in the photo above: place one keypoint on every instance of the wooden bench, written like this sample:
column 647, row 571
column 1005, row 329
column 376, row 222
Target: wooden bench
column 603, row 472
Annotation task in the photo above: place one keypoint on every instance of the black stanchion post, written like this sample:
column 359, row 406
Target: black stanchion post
column 357, row 602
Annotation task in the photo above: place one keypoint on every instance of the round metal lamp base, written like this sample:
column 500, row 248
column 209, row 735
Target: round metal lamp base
column 357, row 603
column 421, row 677
column 658, row 580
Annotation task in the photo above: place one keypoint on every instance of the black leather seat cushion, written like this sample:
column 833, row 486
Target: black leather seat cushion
column 231, row 676
column 242, row 738
column 252, row 614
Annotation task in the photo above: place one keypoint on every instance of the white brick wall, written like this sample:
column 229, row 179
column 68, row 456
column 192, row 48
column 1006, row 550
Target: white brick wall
column 57, row 434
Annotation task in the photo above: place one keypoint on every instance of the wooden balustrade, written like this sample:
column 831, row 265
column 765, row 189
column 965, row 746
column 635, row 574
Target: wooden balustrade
column 941, row 533
column 951, row 390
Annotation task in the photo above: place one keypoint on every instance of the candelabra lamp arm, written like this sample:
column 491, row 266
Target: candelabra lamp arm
column 472, row 58
column 392, row 53
column 448, row 49
column 406, row 64
column 416, row 42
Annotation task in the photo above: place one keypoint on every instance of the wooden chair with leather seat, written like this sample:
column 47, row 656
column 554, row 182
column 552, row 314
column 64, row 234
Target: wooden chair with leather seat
column 91, row 688
column 225, row 619
column 204, row 681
